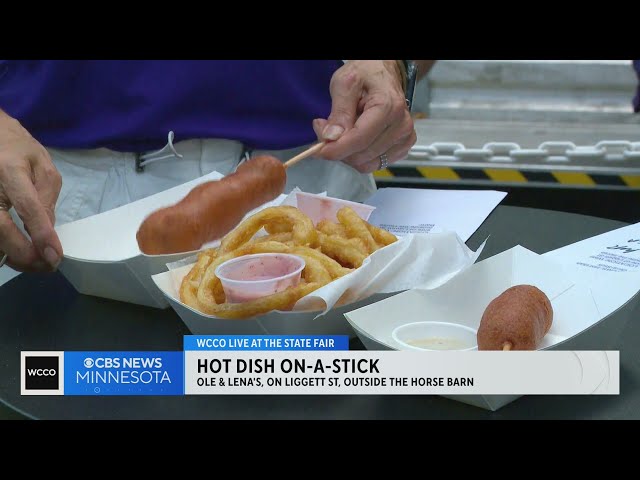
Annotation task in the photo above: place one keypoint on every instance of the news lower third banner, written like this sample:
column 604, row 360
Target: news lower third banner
column 315, row 365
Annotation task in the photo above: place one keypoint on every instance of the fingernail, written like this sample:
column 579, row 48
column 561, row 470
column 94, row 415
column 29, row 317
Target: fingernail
column 51, row 257
column 332, row 132
column 316, row 127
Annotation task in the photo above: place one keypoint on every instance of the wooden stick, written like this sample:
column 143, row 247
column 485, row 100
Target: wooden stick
column 307, row 153
column 506, row 347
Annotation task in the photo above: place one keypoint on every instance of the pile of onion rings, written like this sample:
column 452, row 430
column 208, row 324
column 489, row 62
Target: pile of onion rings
column 330, row 250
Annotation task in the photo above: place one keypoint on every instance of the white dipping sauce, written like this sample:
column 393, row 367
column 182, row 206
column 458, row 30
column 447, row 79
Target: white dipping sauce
column 439, row 343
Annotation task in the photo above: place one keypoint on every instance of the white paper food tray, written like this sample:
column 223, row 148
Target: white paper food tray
column 273, row 323
column 577, row 324
column 412, row 260
column 415, row 259
column 101, row 254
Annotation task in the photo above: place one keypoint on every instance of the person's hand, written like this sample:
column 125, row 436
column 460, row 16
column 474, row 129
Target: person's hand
column 31, row 183
column 369, row 116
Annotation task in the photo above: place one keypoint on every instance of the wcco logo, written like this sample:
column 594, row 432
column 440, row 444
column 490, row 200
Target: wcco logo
column 41, row 373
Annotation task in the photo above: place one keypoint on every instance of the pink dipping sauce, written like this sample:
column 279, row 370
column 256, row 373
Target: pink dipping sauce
column 319, row 207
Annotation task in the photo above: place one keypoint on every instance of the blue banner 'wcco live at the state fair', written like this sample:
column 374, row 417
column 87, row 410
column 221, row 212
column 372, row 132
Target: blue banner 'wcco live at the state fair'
column 266, row 342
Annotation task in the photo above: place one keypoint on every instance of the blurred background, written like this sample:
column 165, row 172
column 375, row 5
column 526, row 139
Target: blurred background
column 583, row 107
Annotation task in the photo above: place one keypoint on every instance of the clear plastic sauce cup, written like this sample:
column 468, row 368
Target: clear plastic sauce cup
column 253, row 276
column 435, row 336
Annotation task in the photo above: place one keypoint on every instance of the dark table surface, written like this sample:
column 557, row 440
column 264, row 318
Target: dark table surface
column 44, row 312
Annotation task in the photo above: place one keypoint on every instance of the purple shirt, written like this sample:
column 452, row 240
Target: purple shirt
column 131, row 105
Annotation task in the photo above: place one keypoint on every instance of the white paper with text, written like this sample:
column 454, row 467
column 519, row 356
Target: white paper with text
column 406, row 210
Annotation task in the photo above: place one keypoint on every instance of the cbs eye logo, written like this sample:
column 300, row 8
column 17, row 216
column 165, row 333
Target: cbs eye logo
column 42, row 373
